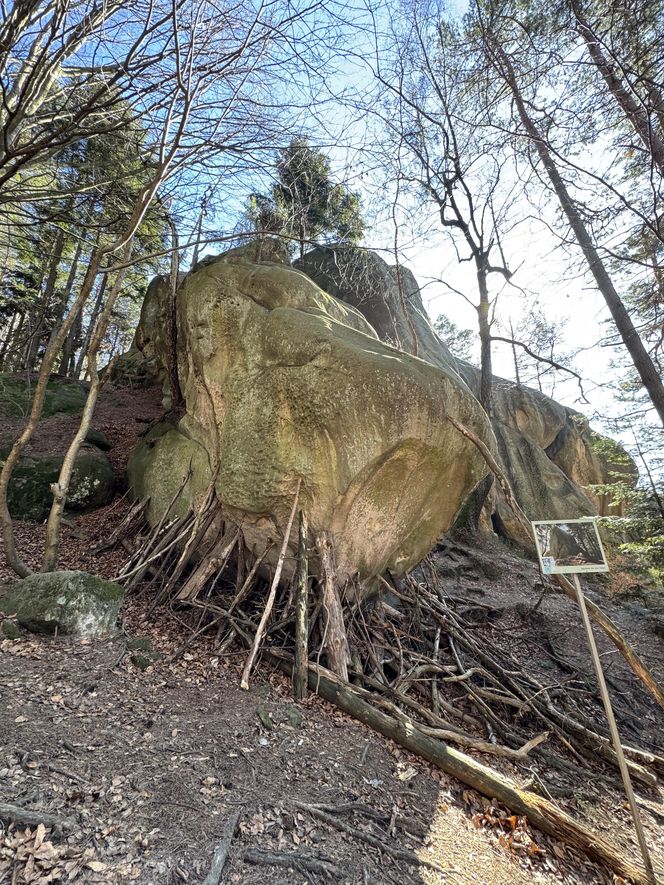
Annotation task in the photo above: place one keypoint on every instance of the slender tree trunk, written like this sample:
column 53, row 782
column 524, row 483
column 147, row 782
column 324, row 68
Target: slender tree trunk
column 630, row 337
column 47, row 300
column 198, row 233
column 69, row 367
column 651, row 479
column 69, row 285
column 481, row 493
column 515, row 357
column 620, row 90
column 96, row 309
column 486, row 371
column 61, row 487
column 13, row 560
column 8, row 337
column 13, row 354
column 301, row 612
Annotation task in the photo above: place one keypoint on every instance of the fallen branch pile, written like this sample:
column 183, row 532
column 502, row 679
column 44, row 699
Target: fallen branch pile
column 409, row 660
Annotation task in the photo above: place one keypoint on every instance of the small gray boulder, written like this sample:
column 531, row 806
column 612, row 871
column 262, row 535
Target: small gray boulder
column 71, row 603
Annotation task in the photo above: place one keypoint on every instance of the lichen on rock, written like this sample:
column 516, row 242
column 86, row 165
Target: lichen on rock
column 29, row 497
column 67, row 602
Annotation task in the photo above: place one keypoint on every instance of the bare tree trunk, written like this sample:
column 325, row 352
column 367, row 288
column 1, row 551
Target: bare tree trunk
column 481, row 492
column 96, row 309
column 620, row 90
column 13, row 560
column 300, row 671
column 177, row 399
column 486, row 371
column 629, row 335
column 335, row 640
column 61, row 487
column 8, row 338
column 514, row 357
column 651, row 479
column 69, row 285
column 47, row 298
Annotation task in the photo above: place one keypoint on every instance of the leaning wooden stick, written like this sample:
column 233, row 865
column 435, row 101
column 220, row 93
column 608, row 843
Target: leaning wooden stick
column 615, row 735
column 542, row 813
column 301, row 625
column 271, row 596
column 214, row 877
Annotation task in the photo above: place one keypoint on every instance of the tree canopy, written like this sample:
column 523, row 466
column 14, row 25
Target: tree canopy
column 305, row 203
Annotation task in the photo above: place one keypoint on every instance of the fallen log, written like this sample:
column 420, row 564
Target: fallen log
column 543, row 814
column 31, row 818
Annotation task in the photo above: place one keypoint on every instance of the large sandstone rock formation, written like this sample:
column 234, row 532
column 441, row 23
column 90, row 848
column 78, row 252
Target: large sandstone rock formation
column 283, row 382
column 548, row 451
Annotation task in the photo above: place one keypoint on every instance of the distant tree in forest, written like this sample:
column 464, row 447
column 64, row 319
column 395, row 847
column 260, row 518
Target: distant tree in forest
column 305, row 203
column 460, row 341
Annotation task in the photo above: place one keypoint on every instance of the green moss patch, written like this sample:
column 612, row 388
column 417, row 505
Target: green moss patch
column 63, row 396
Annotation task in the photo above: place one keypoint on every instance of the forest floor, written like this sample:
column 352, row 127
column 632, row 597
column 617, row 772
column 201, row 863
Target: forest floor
column 147, row 765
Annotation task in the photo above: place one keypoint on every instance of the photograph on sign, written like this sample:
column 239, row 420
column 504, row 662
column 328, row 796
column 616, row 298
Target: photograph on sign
column 569, row 546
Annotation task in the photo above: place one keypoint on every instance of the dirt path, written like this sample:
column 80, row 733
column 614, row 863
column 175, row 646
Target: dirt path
column 150, row 764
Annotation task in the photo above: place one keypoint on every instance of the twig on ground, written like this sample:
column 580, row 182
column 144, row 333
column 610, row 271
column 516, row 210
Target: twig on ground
column 397, row 853
column 221, row 851
column 294, row 860
column 32, row 818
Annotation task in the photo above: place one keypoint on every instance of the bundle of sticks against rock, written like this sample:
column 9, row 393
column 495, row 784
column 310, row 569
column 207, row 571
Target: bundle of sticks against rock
column 406, row 659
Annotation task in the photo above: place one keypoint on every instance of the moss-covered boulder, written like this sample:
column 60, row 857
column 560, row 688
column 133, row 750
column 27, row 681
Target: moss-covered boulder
column 63, row 396
column 284, row 382
column 30, row 497
column 71, row 603
column 98, row 439
column 9, row 629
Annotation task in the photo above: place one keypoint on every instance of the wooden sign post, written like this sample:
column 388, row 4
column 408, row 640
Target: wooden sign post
column 571, row 547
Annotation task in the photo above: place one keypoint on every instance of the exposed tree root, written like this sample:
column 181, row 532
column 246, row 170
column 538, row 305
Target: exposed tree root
column 423, row 672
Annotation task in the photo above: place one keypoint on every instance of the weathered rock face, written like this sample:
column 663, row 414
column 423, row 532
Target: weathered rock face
column 144, row 362
column 548, row 451
column 72, row 603
column 283, row 382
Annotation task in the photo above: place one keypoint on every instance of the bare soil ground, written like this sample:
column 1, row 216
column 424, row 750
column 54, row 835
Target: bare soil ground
column 148, row 765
